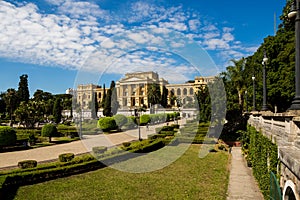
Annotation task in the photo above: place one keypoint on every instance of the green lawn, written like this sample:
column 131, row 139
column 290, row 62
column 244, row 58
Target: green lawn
column 188, row 178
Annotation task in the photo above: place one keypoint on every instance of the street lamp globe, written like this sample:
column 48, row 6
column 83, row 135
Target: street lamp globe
column 293, row 12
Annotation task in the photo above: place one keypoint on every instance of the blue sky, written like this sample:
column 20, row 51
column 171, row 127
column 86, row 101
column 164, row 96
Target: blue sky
column 62, row 43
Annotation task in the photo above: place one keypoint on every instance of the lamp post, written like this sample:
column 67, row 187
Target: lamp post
column 139, row 126
column 264, row 63
column 253, row 79
column 246, row 94
column 295, row 14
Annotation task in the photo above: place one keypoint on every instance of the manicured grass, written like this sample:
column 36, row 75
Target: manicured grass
column 187, row 178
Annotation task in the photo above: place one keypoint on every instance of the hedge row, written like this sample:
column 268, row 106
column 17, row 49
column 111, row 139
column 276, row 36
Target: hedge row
column 145, row 146
column 261, row 154
column 56, row 170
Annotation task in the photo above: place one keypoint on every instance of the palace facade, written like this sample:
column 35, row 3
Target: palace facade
column 132, row 91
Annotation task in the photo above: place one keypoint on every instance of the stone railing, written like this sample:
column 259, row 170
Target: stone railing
column 284, row 130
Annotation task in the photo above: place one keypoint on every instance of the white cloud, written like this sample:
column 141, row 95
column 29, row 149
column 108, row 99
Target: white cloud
column 194, row 24
column 78, row 29
column 228, row 37
column 213, row 44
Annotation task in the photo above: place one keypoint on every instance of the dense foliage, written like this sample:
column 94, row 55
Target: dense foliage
column 7, row 136
column 23, row 91
column 66, row 157
column 49, row 130
column 121, row 120
column 25, row 164
column 280, row 78
column 261, row 154
column 107, row 124
column 111, row 104
column 145, row 119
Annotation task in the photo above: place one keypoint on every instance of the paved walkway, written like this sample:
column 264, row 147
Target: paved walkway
column 242, row 185
column 11, row 159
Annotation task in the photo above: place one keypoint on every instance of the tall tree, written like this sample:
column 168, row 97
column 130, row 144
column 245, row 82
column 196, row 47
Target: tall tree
column 57, row 109
column 235, row 74
column 110, row 104
column 2, row 103
column 29, row 113
column 154, row 94
column 40, row 95
column 204, row 102
column 114, row 99
column 103, row 97
column 11, row 100
column 164, row 97
column 94, row 105
column 23, row 91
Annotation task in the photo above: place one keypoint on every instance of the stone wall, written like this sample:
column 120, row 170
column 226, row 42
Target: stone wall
column 283, row 129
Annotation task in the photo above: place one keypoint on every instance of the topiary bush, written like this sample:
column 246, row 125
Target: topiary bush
column 167, row 133
column 66, row 157
column 7, row 136
column 126, row 144
column 121, row 120
column 131, row 123
column 25, row 164
column 99, row 150
column 107, row 124
column 49, row 130
column 175, row 126
column 144, row 120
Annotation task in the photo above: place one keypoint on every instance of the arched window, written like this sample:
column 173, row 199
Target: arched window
column 172, row 92
column 184, row 91
column 191, row 91
column 289, row 194
column 178, row 92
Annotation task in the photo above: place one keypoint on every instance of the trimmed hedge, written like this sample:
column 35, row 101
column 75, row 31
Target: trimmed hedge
column 7, row 136
column 153, row 146
column 107, row 124
column 164, row 128
column 25, row 164
column 126, row 144
column 144, row 120
column 167, row 133
column 57, row 170
column 121, row 120
column 131, row 123
column 99, row 150
column 261, row 153
column 156, row 136
column 66, row 157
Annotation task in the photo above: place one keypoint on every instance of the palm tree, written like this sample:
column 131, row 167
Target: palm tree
column 235, row 74
column 154, row 95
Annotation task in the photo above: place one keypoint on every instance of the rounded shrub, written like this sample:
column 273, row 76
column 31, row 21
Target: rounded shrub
column 131, row 123
column 99, row 150
column 49, row 130
column 144, row 119
column 121, row 120
column 27, row 164
column 107, row 124
column 66, row 157
column 7, row 136
column 126, row 144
